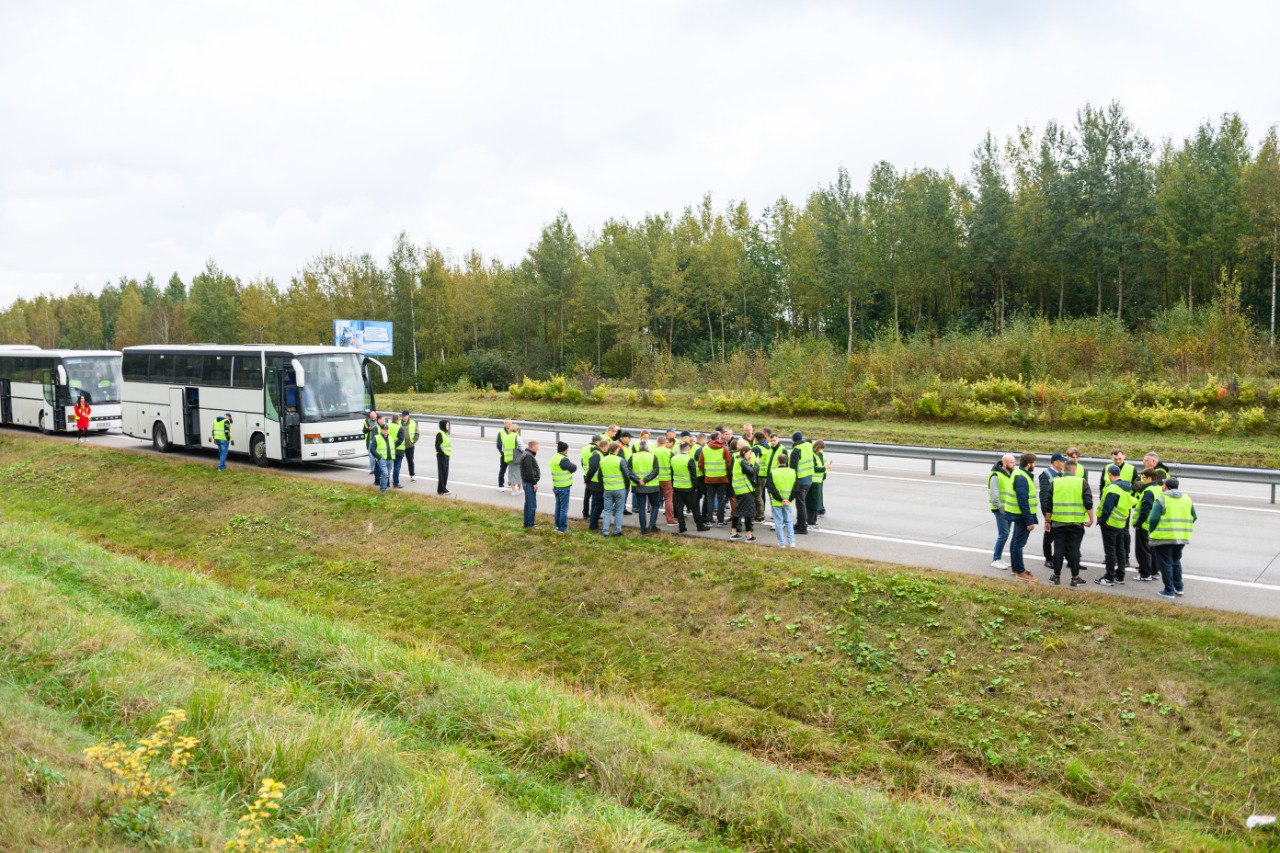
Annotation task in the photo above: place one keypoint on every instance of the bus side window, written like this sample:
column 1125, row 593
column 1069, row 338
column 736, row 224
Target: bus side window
column 275, row 366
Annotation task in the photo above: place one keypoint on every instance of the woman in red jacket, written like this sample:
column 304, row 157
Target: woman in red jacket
column 82, row 418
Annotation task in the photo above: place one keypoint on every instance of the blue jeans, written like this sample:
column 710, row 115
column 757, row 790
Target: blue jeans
column 1169, row 558
column 373, row 463
column 784, row 519
column 1016, row 544
column 562, row 507
column 1002, row 533
column 384, row 474
column 530, row 504
column 223, row 447
column 395, row 470
column 615, row 500
column 653, row 500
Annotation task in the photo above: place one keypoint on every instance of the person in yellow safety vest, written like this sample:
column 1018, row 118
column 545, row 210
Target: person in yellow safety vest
column 222, row 437
column 506, row 442
column 644, row 484
column 385, row 451
column 562, row 469
column 1056, row 466
column 764, row 454
column 396, row 430
column 444, row 450
column 625, row 450
column 684, row 475
column 1172, row 517
column 1113, row 518
column 1068, row 510
column 584, row 459
column 409, row 438
column 371, row 432
column 1023, row 511
column 643, row 436
column 999, row 496
column 594, row 480
column 1127, row 473
column 614, row 474
column 1150, row 483
column 782, row 484
column 743, row 482
column 663, row 452
column 816, row 507
column 801, row 458
column 1074, row 455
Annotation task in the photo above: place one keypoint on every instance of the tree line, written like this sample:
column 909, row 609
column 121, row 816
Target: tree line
column 1068, row 221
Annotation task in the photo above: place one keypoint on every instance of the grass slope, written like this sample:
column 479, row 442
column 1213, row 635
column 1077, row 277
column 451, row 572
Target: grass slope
column 865, row 689
column 1203, row 449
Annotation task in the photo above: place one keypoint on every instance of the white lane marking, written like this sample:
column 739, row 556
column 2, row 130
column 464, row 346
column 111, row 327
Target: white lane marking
column 893, row 539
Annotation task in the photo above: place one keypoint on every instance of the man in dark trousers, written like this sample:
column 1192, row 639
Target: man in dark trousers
column 684, row 474
column 1024, row 513
column 584, row 457
column 1150, row 487
column 1068, row 510
column 1056, row 463
column 594, row 480
column 530, row 473
column 802, row 460
column 444, row 451
column 1113, row 519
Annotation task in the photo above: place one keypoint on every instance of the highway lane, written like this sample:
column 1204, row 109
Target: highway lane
column 896, row 512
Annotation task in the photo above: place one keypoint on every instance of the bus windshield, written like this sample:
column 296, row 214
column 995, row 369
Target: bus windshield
column 97, row 377
column 335, row 387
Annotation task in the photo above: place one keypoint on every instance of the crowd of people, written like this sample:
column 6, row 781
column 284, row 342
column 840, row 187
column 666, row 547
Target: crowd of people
column 703, row 480
column 716, row 479
column 1143, row 514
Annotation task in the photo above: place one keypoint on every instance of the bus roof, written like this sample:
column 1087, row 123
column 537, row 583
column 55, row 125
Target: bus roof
column 59, row 353
column 234, row 348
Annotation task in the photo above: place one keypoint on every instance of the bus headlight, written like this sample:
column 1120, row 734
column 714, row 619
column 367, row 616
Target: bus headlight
column 312, row 438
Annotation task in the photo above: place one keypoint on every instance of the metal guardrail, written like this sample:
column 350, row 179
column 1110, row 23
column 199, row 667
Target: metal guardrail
column 1258, row 476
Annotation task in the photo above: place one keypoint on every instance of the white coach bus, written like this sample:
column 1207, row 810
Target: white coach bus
column 40, row 387
column 289, row 403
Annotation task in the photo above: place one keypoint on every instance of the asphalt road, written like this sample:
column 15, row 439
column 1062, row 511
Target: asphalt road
column 897, row 513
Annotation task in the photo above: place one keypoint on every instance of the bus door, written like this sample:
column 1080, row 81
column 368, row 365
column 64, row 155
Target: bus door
column 56, row 398
column 282, row 405
column 6, row 403
column 184, row 411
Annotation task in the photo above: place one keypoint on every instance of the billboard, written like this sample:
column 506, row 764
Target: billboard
column 371, row 337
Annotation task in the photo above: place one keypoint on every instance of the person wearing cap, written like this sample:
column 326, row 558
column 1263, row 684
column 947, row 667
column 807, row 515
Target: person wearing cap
column 1127, row 473
column 684, row 473
column 663, row 452
column 1113, row 519
column 530, row 474
column 370, row 433
column 1047, row 476
column 1172, row 517
column 1068, row 508
column 764, row 455
column 562, row 469
column 222, row 438
column 385, row 451
column 409, row 438
column 584, row 458
column 444, row 450
column 802, row 462
column 1150, row 485
column 395, row 429
column 1023, row 512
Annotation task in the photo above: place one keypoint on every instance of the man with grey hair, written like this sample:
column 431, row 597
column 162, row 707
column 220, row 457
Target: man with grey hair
column 999, row 493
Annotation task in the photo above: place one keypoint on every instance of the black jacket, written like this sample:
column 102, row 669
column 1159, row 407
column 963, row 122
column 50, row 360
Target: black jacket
column 529, row 470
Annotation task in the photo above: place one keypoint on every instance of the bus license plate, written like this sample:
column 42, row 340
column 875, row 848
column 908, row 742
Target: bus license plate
column 347, row 451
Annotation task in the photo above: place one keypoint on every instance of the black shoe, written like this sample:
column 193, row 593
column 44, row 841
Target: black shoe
column 1078, row 581
column 802, row 532
column 735, row 535
column 751, row 538
column 684, row 530
column 1119, row 581
column 703, row 529
column 1105, row 582
column 1054, row 579
column 627, row 512
column 1146, row 578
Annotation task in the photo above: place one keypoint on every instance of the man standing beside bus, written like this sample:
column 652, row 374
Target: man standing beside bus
column 222, row 438
column 409, row 437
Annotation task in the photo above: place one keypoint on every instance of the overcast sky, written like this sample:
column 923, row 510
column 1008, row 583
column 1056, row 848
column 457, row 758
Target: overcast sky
column 149, row 137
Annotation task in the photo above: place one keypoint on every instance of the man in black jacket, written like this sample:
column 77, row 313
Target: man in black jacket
column 1047, row 476
column 530, row 473
column 594, row 480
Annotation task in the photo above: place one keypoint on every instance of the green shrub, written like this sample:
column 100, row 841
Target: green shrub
column 1252, row 420
column 557, row 389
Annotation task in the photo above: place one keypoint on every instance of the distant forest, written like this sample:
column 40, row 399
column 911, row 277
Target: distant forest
column 1090, row 219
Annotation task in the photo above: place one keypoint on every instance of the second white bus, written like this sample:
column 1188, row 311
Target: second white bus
column 40, row 387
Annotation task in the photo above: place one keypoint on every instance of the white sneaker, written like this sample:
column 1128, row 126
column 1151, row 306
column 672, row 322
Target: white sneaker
column 999, row 564
column 412, row 479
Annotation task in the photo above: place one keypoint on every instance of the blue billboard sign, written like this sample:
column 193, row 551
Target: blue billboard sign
column 371, row 337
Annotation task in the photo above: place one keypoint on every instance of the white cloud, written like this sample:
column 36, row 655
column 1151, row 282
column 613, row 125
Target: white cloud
column 144, row 137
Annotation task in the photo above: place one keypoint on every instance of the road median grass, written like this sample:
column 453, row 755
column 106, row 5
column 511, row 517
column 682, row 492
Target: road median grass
column 655, row 692
column 1210, row 449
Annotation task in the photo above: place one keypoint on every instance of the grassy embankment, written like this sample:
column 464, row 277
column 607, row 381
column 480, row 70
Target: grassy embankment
column 418, row 669
column 1257, row 451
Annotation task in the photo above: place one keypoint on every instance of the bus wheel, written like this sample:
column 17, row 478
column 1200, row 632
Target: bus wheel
column 44, row 426
column 258, row 450
column 160, row 438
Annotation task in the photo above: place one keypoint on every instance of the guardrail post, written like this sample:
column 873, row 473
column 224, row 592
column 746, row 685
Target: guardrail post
column 1273, row 492
column 557, row 436
column 482, row 430
column 933, row 467
column 865, row 462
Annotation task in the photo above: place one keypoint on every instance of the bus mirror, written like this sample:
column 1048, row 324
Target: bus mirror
column 299, row 375
column 62, row 375
column 382, row 367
